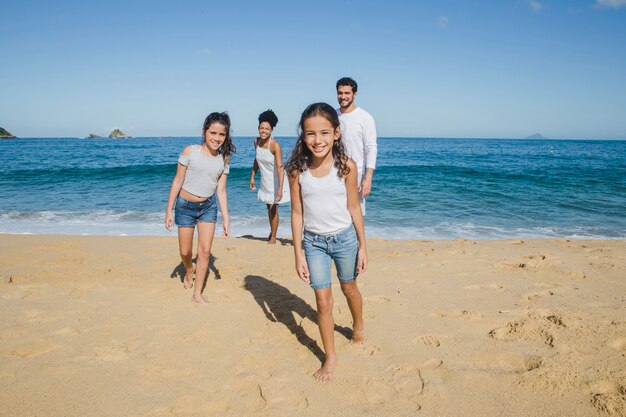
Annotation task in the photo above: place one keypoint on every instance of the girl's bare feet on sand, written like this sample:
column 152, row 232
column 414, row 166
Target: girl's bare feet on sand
column 199, row 299
column 325, row 373
column 188, row 281
column 358, row 336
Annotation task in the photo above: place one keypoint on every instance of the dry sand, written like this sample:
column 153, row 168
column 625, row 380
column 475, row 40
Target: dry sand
column 101, row 326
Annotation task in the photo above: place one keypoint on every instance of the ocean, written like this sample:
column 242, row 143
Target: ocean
column 423, row 188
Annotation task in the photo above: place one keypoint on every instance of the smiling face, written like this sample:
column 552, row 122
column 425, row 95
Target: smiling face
column 214, row 137
column 265, row 130
column 345, row 97
column 319, row 136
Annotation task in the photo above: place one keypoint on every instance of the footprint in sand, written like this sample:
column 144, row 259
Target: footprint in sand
column 552, row 316
column 523, row 329
column 608, row 398
column 427, row 340
column 407, row 380
column 508, row 362
column 431, row 363
column 537, row 295
column 459, row 314
column 274, row 394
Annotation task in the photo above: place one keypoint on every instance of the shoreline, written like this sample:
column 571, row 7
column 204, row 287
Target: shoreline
column 455, row 327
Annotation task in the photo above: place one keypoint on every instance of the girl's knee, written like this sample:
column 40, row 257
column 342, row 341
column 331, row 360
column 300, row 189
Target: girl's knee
column 185, row 253
column 350, row 289
column 324, row 303
column 204, row 253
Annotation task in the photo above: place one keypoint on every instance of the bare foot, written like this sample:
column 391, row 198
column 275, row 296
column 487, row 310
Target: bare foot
column 325, row 373
column 271, row 241
column 199, row 299
column 358, row 336
column 188, row 281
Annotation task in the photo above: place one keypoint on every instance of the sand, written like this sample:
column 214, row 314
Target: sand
column 101, row 326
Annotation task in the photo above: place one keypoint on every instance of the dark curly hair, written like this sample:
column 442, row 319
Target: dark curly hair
column 228, row 147
column 268, row 116
column 347, row 81
column 301, row 155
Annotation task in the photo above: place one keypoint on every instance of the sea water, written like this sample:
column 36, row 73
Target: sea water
column 422, row 189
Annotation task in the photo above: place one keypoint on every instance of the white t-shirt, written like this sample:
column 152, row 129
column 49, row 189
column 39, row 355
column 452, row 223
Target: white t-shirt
column 203, row 171
column 358, row 132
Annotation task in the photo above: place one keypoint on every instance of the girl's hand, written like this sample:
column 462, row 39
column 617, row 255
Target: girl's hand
column 169, row 220
column 302, row 268
column 279, row 195
column 361, row 261
column 226, row 227
column 252, row 187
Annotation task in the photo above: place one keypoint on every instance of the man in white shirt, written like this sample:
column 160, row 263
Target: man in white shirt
column 358, row 132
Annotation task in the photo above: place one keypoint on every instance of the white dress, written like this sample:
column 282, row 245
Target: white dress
column 269, row 177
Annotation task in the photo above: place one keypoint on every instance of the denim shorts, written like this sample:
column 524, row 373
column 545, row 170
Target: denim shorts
column 343, row 248
column 187, row 213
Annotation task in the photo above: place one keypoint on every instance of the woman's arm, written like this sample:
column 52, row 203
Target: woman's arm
column 222, row 199
column 255, row 167
column 354, row 207
column 296, row 227
column 177, row 184
column 278, row 160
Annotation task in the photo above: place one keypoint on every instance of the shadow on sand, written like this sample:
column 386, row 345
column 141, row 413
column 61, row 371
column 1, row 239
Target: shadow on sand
column 279, row 304
column 282, row 241
column 179, row 270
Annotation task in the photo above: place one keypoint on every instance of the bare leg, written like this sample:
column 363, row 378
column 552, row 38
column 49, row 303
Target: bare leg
column 185, row 245
column 355, row 302
column 326, row 324
column 272, row 214
column 206, row 232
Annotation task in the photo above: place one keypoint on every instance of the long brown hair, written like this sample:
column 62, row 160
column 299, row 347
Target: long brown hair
column 301, row 156
column 228, row 147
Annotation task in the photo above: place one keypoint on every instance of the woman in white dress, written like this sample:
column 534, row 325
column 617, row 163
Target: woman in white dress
column 268, row 160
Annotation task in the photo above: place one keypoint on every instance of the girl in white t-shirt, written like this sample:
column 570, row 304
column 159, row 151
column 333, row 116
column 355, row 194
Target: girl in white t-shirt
column 326, row 221
column 200, row 178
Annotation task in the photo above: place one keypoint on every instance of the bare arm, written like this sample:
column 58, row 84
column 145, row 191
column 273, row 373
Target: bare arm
column 354, row 207
column 255, row 168
column 177, row 184
column 222, row 199
column 296, row 227
column 278, row 160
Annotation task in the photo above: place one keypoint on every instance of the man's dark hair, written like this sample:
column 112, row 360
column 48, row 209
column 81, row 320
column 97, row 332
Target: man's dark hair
column 347, row 81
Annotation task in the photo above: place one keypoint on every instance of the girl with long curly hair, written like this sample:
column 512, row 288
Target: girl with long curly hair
column 326, row 221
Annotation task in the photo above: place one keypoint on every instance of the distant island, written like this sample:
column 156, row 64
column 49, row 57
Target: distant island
column 536, row 136
column 5, row 135
column 118, row 134
column 93, row 136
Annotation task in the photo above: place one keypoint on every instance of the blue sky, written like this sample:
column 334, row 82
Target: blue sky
column 496, row 69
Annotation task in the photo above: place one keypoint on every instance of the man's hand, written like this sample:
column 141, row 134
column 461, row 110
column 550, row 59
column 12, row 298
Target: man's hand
column 366, row 186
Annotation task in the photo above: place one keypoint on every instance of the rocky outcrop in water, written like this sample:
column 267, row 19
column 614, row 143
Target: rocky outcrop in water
column 5, row 135
column 118, row 134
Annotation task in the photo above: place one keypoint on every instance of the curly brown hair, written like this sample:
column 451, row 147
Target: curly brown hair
column 300, row 158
